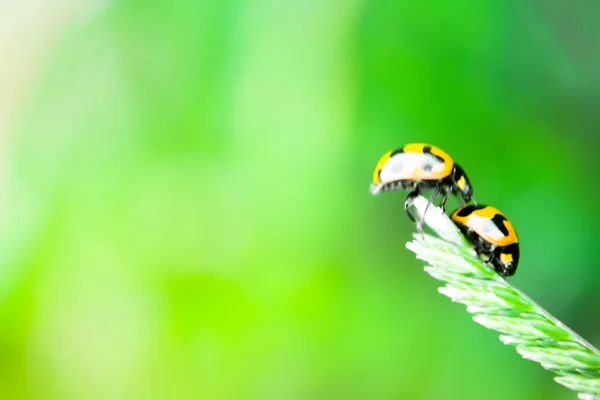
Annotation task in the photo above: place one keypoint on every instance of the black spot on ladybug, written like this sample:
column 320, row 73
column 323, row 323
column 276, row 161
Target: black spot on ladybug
column 427, row 150
column 466, row 211
column 499, row 222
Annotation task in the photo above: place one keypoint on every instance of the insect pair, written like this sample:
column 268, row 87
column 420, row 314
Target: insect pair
column 418, row 167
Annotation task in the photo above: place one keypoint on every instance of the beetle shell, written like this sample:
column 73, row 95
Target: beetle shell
column 489, row 223
column 492, row 234
column 413, row 162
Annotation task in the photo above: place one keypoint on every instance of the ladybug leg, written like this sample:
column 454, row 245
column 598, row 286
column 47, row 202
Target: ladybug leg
column 506, row 269
column 462, row 201
column 467, row 232
column 444, row 199
column 491, row 256
column 484, row 248
column 494, row 259
column 436, row 192
column 409, row 202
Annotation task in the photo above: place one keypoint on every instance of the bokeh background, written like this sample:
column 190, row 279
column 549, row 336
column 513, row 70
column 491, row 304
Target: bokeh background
column 185, row 207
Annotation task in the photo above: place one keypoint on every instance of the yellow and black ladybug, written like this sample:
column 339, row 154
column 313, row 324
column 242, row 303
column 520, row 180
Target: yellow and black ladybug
column 420, row 166
column 492, row 234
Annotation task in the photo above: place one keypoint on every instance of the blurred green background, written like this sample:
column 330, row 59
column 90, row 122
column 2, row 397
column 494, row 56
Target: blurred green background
column 185, row 206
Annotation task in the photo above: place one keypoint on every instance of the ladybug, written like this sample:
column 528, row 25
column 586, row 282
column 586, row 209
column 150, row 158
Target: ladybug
column 420, row 166
column 492, row 235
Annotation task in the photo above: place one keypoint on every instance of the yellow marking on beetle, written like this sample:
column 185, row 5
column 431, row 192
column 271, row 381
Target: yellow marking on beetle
column 414, row 147
column 418, row 148
column 506, row 258
column 487, row 212
column 461, row 183
column 380, row 165
column 438, row 152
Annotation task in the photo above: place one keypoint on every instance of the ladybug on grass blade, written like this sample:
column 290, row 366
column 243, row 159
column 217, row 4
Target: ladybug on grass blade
column 492, row 235
column 420, row 166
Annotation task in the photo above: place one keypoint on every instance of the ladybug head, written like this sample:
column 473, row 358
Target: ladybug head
column 461, row 183
column 509, row 260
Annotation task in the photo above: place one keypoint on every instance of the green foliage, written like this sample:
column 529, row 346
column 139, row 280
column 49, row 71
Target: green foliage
column 184, row 204
column 497, row 305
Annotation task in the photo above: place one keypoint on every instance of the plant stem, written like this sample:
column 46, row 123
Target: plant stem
column 497, row 305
